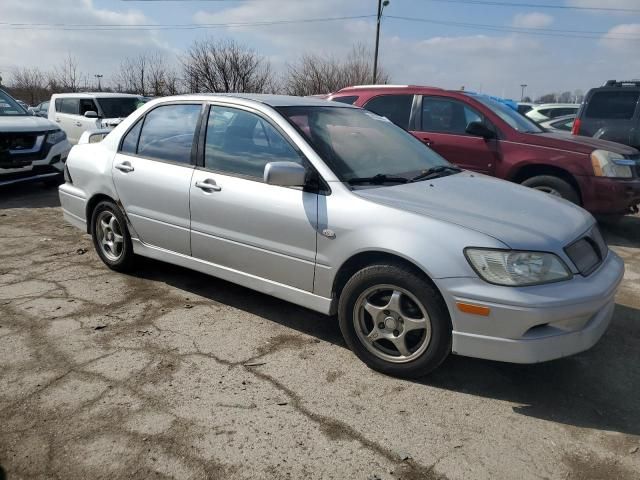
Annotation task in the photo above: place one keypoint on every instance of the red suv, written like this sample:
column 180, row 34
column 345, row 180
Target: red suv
column 479, row 133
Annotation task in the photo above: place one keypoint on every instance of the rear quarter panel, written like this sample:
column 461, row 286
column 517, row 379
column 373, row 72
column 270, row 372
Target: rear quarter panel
column 89, row 166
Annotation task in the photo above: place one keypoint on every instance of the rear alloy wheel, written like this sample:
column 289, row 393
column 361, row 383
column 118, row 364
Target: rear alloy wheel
column 395, row 321
column 111, row 237
column 553, row 185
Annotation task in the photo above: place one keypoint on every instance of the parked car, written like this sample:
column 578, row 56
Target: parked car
column 31, row 148
column 480, row 134
column 547, row 111
column 562, row 124
column 40, row 110
column 524, row 107
column 611, row 112
column 78, row 112
column 336, row 209
column 22, row 104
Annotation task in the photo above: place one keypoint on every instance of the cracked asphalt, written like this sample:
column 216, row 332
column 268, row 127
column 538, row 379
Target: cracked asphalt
column 168, row 373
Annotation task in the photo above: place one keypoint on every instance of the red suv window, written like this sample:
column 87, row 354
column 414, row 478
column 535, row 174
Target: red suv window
column 396, row 108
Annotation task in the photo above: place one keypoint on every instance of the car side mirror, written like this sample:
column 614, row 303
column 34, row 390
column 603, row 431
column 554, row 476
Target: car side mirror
column 91, row 114
column 480, row 130
column 285, row 174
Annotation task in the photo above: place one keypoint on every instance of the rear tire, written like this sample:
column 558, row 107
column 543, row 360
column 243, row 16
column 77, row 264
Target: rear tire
column 395, row 321
column 111, row 237
column 553, row 186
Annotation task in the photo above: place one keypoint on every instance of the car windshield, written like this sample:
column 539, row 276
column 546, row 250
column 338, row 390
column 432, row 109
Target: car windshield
column 119, row 107
column 9, row 107
column 357, row 144
column 514, row 119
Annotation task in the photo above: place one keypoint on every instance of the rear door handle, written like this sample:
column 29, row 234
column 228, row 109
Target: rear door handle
column 78, row 124
column 208, row 185
column 427, row 141
column 125, row 167
column 57, row 120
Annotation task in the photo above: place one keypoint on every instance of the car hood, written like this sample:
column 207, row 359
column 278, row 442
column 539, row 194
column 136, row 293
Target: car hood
column 575, row 143
column 519, row 217
column 25, row 123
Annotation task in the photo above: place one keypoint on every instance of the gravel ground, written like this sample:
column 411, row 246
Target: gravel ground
column 169, row 373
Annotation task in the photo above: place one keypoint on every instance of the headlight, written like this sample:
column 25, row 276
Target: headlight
column 609, row 164
column 56, row 137
column 517, row 268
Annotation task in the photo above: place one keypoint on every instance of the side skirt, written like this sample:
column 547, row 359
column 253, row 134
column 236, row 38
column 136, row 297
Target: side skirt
column 278, row 290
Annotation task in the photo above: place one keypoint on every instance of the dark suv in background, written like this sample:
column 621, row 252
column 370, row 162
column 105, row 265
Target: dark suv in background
column 611, row 112
column 479, row 133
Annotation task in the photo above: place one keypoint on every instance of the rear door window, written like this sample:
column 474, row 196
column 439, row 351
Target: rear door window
column 68, row 105
column 167, row 133
column 396, row 108
column 612, row 105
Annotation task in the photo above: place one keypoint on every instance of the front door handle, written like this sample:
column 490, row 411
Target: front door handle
column 125, row 167
column 427, row 141
column 208, row 185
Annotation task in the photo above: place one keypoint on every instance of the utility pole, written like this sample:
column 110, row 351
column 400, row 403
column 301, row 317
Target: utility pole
column 523, row 86
column 99, row 76
column 381, row 5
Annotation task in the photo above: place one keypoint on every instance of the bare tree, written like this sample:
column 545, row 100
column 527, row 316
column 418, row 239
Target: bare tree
column 132, row 77
column 548, row 98
column 565, row 97
column 225, row 66
column 147, row 74
column 315, row 74
column 30, row 85
column 67, row 77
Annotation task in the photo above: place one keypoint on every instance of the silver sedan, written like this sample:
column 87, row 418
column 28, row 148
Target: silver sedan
column 335, row 208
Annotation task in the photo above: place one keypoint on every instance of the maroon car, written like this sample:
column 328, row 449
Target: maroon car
column 482, row 134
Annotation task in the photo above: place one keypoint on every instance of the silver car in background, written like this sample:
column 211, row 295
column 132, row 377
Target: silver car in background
column 336, row 209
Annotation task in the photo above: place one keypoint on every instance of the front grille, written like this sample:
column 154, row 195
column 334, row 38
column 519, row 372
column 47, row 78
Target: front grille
column 588, row 252
column 20, row 149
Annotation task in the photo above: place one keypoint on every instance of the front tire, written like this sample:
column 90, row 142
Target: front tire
column 111, row 237
column 553, row 186
column 395, row 321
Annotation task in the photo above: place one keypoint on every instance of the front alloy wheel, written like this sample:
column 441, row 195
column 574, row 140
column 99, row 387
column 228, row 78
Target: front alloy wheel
column 392, row 323
column 395, row 320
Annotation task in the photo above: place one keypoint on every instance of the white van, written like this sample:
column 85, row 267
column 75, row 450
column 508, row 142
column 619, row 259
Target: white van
column 77, row 112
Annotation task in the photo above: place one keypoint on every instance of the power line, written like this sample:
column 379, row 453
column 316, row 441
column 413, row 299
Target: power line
column 177, row 26
column 541, row 5
column 548, row 32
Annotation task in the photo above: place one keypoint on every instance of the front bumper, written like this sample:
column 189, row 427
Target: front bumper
column 533, row 324
column 611, row 195
column 43, row 169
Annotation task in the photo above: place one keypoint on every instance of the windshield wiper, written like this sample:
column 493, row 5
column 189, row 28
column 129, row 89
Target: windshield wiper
column 378, row 179
column 435, row 172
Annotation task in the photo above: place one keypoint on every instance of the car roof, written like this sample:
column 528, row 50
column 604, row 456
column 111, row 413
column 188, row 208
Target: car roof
column 266, row 99
column 95, row 95
column 390, row 88
column 557, row 105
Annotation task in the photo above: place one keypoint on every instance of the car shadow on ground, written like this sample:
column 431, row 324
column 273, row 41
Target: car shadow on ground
column 596, row 389
column 28, row 195
column 623, row 233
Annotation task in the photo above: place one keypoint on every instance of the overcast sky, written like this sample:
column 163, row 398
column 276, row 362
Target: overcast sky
column 462, row 44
